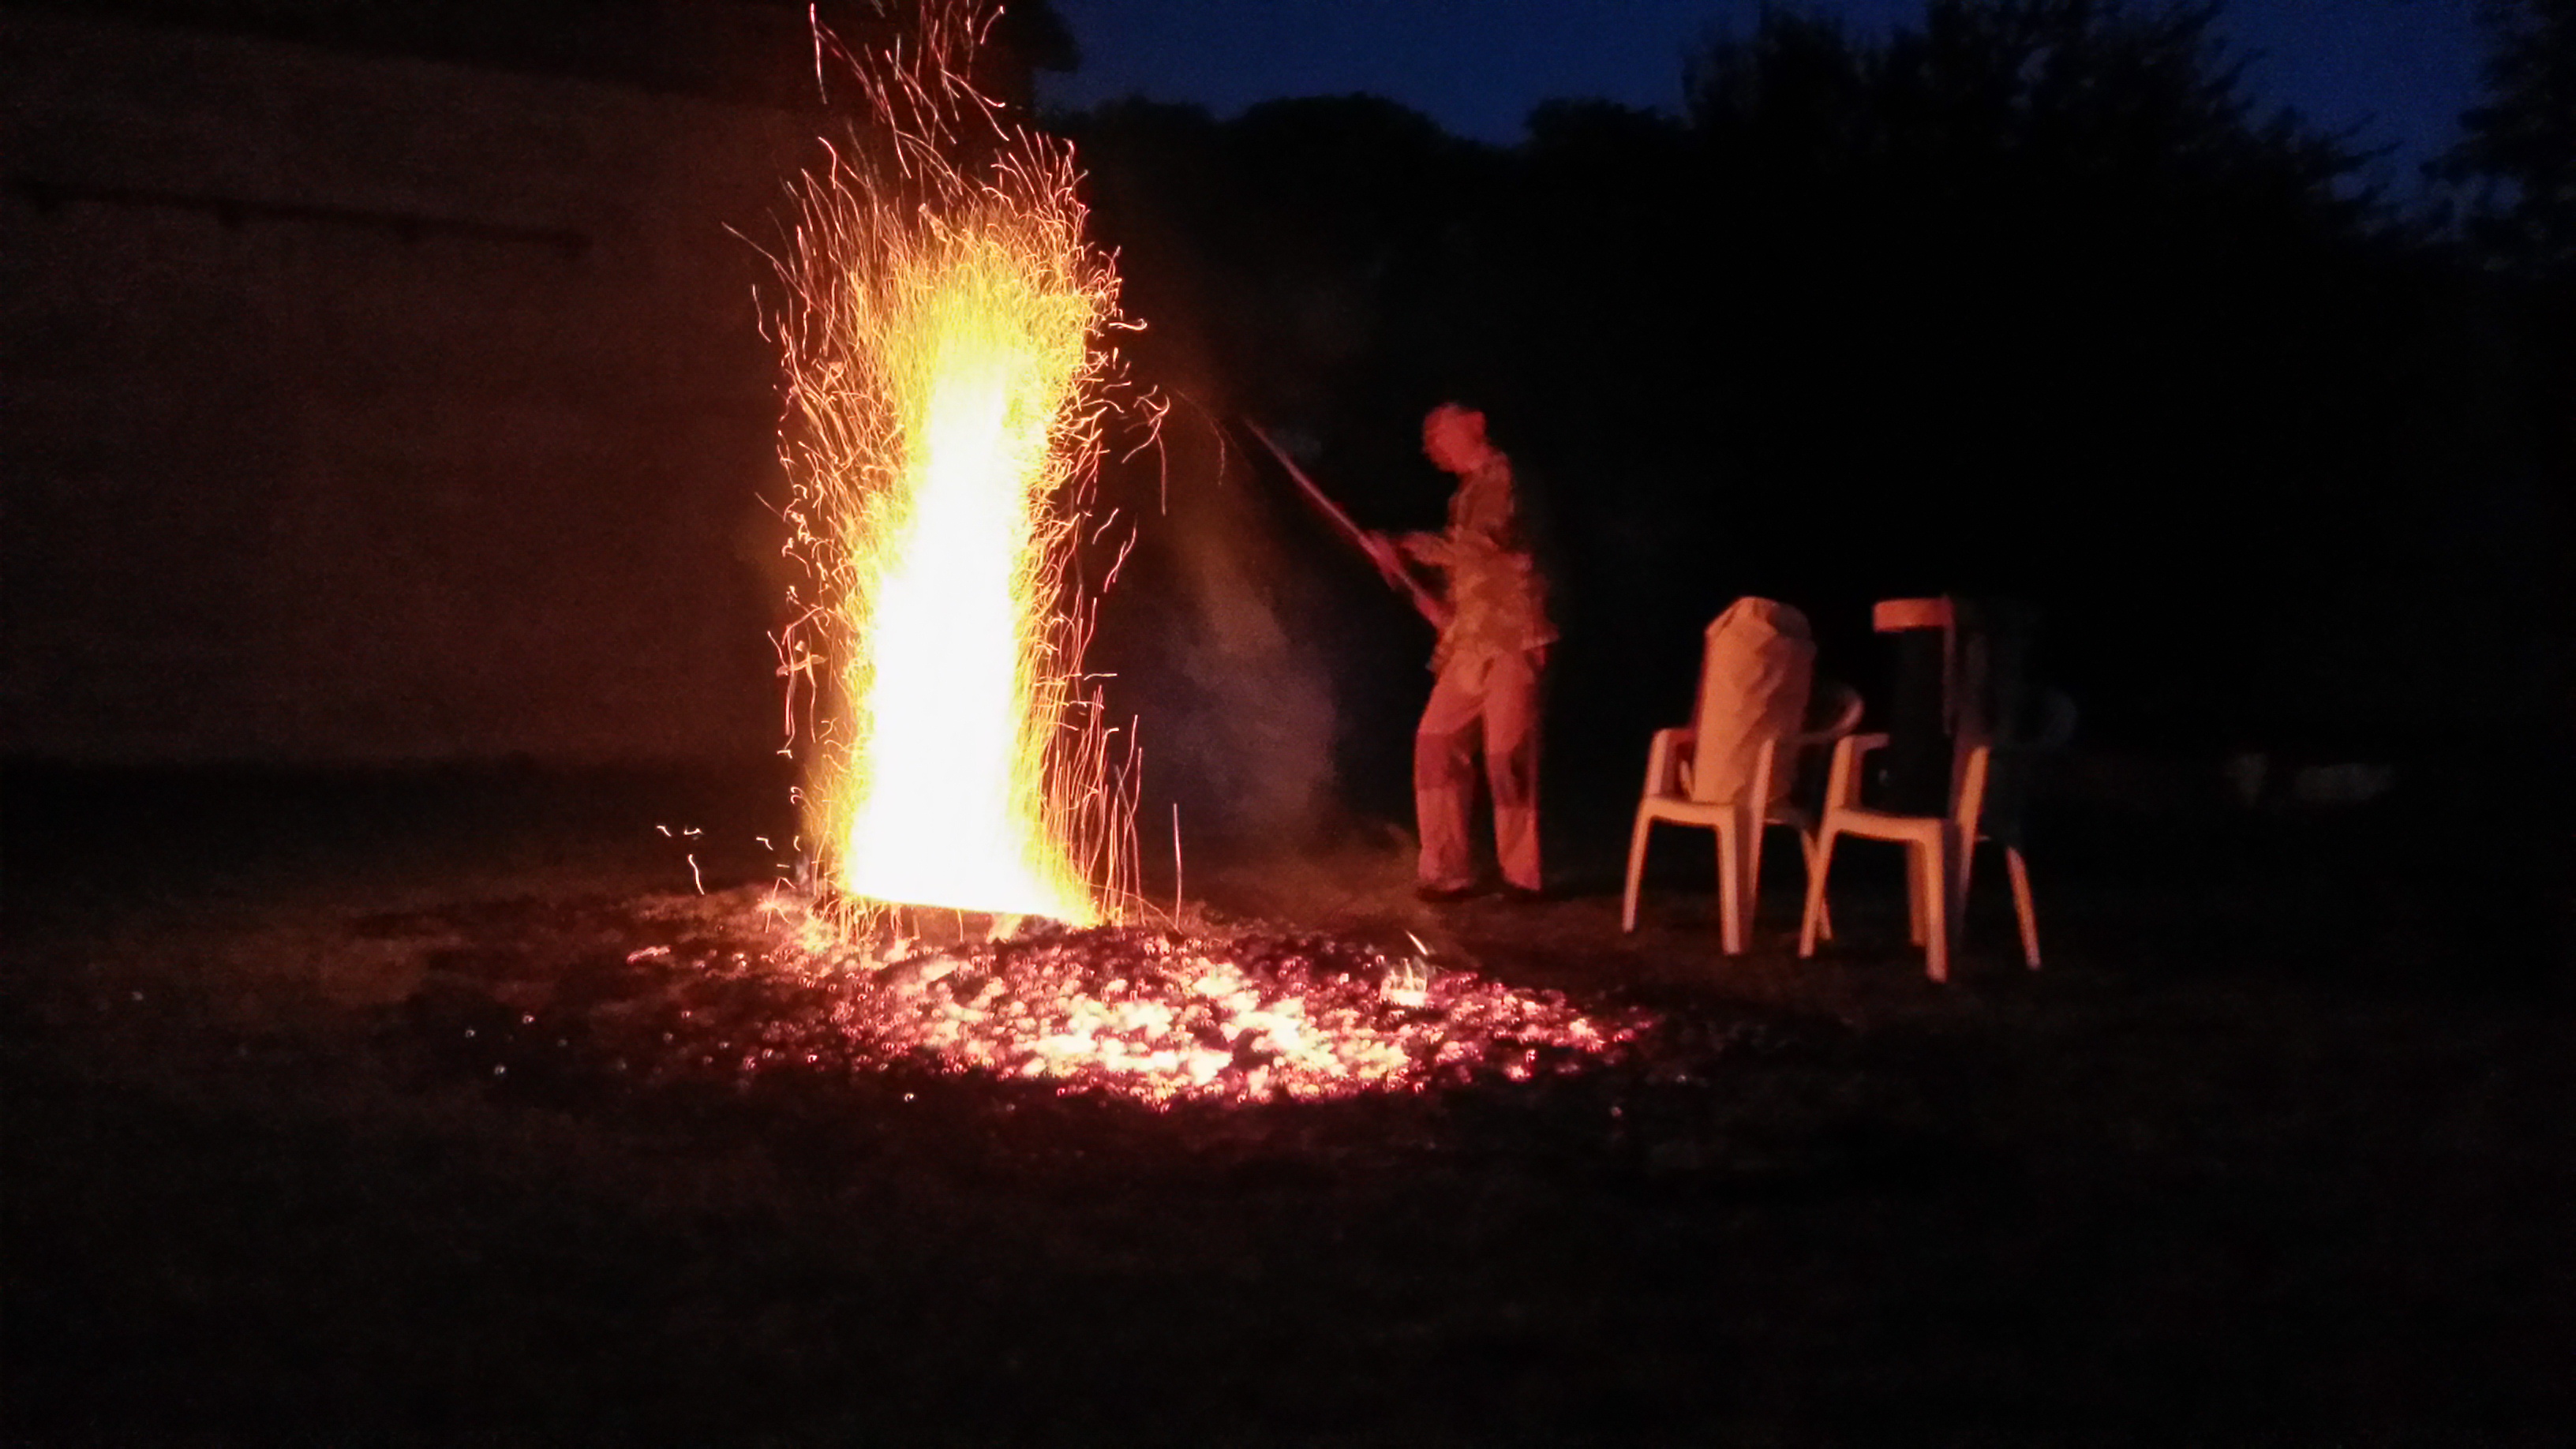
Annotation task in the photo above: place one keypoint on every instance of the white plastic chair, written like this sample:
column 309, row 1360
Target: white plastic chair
column 1668, row 799
column 1993, row 782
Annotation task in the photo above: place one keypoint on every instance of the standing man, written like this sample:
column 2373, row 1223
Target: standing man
column 1491, row 657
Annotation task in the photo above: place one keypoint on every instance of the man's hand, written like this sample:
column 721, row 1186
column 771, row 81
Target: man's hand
column 1389, row 558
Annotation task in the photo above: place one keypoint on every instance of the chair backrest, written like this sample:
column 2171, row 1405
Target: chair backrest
column 1999, row 808
column 1756, row 669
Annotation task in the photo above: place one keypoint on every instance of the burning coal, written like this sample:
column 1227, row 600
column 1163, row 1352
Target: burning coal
column 1148, row 1013
column 944, row 384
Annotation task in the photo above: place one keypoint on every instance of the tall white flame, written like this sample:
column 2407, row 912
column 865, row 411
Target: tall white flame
column 944, row 378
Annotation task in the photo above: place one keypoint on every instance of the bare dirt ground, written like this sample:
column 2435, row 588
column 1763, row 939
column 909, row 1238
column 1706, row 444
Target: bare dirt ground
column 326, row 1120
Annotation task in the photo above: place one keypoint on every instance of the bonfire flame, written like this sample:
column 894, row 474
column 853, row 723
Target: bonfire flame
column 944, row 385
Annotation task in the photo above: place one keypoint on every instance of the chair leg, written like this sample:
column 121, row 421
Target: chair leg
column 1962, row 854
column 2022, row 907
column 1914, row 893
column 1818, row 866
column 1807, row 851
column 1730, row 889
column 1636, row 870
column 1754, row 831
column 1933, row 887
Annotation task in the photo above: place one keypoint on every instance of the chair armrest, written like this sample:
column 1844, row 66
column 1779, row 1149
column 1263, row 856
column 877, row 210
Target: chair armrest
column 1665, row 755
column 1846, row 719
column 1842, row 782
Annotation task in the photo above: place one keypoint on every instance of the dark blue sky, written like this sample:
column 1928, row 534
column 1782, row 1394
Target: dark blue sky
column 2400, row 69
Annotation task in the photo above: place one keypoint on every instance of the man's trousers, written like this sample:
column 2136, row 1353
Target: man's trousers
column 1490, row 702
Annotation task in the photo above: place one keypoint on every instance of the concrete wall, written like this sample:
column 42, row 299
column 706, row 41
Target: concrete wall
column 364, row 409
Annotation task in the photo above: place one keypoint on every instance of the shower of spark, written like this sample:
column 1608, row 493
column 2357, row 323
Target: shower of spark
column 945, row 374
column 943, row 342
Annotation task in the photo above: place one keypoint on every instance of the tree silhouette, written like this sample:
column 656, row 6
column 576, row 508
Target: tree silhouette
column 2517, row 161
column 2050, row 309
column 2515, row 170
column 2029, row 298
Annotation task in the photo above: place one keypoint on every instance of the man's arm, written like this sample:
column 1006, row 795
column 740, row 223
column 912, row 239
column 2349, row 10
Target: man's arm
column 1437, row 550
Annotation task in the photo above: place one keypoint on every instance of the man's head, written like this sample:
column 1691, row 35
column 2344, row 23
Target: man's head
column 1453, row 438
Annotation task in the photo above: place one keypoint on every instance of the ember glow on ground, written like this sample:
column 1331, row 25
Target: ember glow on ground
column 1155, row 1015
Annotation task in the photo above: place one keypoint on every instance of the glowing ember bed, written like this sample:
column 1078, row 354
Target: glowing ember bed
column 751, row 982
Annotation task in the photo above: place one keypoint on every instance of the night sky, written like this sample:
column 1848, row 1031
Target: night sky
column 2401, row 70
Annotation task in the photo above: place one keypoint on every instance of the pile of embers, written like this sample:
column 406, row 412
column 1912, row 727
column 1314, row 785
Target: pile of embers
column 748, row 986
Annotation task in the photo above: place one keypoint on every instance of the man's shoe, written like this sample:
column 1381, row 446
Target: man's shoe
column 1442, row 895
column 1521, row 895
